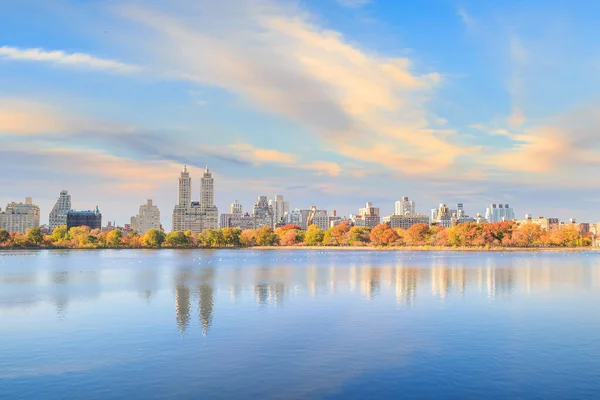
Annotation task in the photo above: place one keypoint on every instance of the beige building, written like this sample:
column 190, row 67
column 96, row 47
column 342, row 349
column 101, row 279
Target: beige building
column 192, row 215
column 20, row 217
column 368, row 216
column 405, row 221
column 544, row 223
column 147, row 218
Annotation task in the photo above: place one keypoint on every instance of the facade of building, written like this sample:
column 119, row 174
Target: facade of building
column 280, row 207
column 544, row 223
column 262, row 213
column 442, row 216
column 93, row 219
column 58, row 215
column 499, row 213
column 236, row 208
column 20, row 217
column 405, row 207
column 321, row 219
column 237, row 220
column 293, row 218
column 195, row 216
column 405, row 221
column 147, row 218
column 368, row 216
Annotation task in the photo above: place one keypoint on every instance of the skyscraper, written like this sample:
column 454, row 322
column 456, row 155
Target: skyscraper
column 262, row 213
column 235, row 208
column 280, row 207
column 405, row 207
column 58, row 215
column 147, row 218
column 499, row 212
column 192, row 215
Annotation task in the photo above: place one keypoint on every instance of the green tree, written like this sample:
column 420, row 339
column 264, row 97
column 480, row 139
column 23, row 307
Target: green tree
column 113, row 238
column 154, row 238
column 177, row 239
column 4, row 236
column 314, row 236
column 231, row 236
column 359, row 235
column 35, row 236
column 59, row 233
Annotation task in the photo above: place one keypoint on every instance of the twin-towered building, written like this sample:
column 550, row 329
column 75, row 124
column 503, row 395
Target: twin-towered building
column 191, row 215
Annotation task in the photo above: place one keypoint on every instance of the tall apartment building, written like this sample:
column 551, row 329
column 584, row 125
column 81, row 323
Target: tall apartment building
column 148, row 218
column 20, row 217
column 443, row 216
column 368, row 216
column 235, row 208
column 93, row 219
column 405, row 207
column 293, row 218
column 262, row 213
column 58, row 215
column 280, row 207
column 191, row 215
column 499, row 212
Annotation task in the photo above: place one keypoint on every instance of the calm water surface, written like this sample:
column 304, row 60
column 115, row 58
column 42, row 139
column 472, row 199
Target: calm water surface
column 298, row 324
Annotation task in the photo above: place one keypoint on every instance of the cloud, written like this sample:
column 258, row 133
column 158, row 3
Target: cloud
column 259, row 155
column 60, row 57
column 322, row 167
column 466, row 18
column 278, row 60
column 353, row 3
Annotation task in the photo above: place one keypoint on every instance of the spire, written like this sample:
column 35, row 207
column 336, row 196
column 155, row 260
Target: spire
column 184, row 167
column 207, row 171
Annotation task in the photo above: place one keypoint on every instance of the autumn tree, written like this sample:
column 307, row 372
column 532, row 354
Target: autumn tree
column 266, row 237
column 417, row 235
column 231, row 236
column 248, row 238
column 154, row 238
column 528, row 235
column 59, row 233
column 337, row 235
column 4, row 236
column 314, row 236
column 176, row 239
column 383, row 235
column 359, row 236
column 113, row 238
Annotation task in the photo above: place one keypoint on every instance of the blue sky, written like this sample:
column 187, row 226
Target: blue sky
column 330, row 102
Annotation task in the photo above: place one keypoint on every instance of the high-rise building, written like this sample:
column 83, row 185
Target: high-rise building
column 20, row 217
column 58, row 215
column 92, row 219
column 442, row 216
column 405, row 207
column 499, row 212
column 192, row 215
column 368, row 216
column 262, row 213
column 293, row 218
column 147, row 218
column 235, row 208
column 280, row 207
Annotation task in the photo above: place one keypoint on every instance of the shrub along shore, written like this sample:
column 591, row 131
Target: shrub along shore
column 493, row 236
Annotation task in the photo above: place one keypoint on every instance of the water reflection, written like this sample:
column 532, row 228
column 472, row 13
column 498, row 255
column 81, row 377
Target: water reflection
column 263, row 280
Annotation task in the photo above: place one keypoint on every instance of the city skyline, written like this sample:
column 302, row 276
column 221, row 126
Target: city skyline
column 359, row 101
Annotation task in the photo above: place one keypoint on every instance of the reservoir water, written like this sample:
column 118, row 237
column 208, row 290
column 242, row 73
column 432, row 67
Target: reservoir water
column 244, row 324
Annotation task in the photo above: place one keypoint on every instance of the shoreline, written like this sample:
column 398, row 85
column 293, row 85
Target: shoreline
column 337, row 248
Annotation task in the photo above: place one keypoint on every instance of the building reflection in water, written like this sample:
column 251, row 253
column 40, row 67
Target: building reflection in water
column 205, row 299
column 444, row 279
column 182, row 301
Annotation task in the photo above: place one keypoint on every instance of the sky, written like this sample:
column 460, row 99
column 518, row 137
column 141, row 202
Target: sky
column 331, row 103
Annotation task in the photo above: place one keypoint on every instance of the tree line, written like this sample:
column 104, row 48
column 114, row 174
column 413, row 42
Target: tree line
column 472, row 235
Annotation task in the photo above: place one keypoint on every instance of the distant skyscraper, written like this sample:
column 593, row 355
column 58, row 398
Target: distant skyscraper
column 147, row 218
column 262, row 213
column 235, row 208
column 191, row 215
column 92, row 219
column 58, row 215
column 368, row 216
column 499, row 212
column 405, row 207
column 20, row 217
column 280, row 207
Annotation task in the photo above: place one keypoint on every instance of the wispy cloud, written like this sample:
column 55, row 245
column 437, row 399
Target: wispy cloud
column 346, row 96
column 60, row 57
column 464, row 15
column 353, row 3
